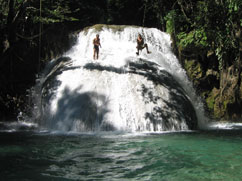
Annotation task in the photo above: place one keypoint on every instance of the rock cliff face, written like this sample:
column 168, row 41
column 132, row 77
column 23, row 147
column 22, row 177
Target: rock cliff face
column 220, row 89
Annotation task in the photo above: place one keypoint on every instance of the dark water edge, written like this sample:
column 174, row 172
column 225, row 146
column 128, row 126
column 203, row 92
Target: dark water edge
column 199, row 155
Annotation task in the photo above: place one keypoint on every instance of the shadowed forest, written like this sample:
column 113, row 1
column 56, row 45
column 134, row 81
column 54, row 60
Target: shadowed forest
column 206, row 38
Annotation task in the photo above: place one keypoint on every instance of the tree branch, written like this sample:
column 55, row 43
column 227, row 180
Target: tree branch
column 20, row 11
column 183, row 11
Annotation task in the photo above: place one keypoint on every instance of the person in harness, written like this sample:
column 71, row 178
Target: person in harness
column 96, row 45
column 141, row 45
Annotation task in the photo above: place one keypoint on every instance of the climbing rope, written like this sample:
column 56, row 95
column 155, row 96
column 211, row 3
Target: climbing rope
column 40, row 32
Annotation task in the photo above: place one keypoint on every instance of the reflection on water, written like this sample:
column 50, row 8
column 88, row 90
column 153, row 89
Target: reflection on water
column 211, row 155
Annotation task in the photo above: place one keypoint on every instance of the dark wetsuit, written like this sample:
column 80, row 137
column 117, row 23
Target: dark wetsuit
column 96, row 43
column 96, row 47
column 140, row 44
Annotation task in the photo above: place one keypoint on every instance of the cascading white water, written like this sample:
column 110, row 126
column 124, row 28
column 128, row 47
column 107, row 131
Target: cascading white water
column 120, row 90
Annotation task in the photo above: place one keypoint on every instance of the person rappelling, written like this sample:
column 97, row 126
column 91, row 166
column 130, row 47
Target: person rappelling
column 141, row 45
column 96, row 45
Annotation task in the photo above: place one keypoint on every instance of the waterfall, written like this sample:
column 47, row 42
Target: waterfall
column 121, row 90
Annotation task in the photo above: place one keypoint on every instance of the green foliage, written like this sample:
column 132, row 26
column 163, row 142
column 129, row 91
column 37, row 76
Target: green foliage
column 207, row 25
column 170, row 21
column 194, row 39
column 53, row 12
column 3, row 12
column 210, row 102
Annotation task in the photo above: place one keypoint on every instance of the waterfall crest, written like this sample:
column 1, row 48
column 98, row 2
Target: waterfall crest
column 119, row 91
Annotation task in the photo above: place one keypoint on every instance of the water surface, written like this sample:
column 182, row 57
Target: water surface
column 210, row 155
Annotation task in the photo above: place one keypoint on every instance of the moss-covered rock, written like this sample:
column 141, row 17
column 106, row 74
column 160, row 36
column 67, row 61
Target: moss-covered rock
column 221, row 90
column 230, row 94
column 194, row 70
column 211, row 98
